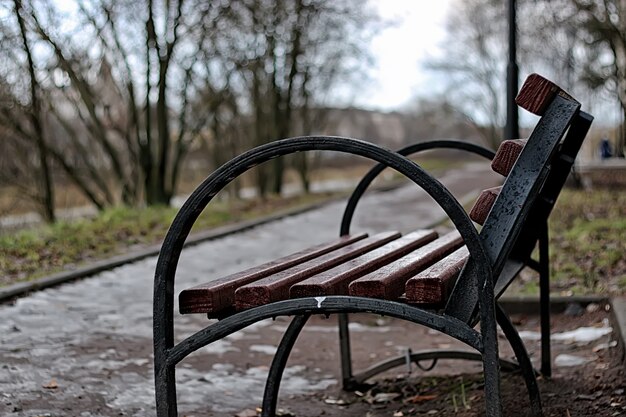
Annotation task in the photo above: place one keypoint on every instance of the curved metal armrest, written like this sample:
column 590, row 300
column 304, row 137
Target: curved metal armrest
column 371, row 175
column 195, row 204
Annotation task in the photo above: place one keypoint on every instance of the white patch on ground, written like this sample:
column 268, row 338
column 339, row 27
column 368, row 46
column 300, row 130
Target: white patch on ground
column 267, row 349
column 583, row 334
column 358, row 327
column 580, row 335
column 137, row 393
column 530, row 335
column 230, row 389
column 564, row 360
column 219, row 347
column 605, row 346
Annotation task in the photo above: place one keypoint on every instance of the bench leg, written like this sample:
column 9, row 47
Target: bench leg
column 491, row 363
column 345, row 354
column 544, row 301
column 165, row 391
column 526, row 367
column 270, row 396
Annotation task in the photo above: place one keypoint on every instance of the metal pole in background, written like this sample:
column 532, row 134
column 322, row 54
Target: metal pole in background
column 511, row 131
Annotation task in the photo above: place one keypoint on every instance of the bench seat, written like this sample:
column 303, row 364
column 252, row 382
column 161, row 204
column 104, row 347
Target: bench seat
column 418, row 268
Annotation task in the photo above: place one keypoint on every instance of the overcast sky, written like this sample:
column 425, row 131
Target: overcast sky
column 400, row 49
column 416, row 31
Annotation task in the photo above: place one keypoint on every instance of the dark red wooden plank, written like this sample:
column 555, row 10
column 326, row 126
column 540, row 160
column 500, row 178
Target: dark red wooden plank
column 433, row 285
column 276, row 287
column 508, row 152
column 537, row 93
column 483, row 204
column 219, row 294
column 388, row 281
column 335, row 281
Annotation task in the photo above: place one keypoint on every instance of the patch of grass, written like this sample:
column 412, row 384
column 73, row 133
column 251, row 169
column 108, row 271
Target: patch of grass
column 530, row 287
column 32, row 253
column 587, row 243
column 28, row 254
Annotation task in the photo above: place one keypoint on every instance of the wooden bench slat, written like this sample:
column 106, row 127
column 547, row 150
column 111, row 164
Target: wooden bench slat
column 388, row 282
column 537, row 93
column 276, row 287
column 433, row 285
column 335, row 281
column 219, row 294
column 507, row 154
column 483, row 204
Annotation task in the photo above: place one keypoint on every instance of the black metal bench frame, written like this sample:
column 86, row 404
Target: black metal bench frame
column 497, row 254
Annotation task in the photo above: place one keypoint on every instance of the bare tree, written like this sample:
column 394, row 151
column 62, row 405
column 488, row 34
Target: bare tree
column 580, row 42
column 127, row 89
column 602, row 29
column 473, row 63
column 22, row 116
column 290, row 54
column 151, row 61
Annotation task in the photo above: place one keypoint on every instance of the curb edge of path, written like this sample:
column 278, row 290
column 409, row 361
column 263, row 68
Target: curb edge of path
column 22, row 288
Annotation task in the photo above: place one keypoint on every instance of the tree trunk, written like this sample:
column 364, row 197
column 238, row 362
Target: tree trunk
column 301, row 159
column 164, row 194
column 259, row 130
column 45, row 181
column 619, row 141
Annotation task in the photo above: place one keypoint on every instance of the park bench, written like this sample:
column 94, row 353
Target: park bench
column 450, row 283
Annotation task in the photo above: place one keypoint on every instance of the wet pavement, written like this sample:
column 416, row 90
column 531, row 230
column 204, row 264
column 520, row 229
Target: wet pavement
column 85, row 348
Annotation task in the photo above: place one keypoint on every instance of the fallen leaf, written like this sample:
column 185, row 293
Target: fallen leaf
column 385, row 397
column 418, row 399
column 334, row 401
column 603, row 346
column 51, row 385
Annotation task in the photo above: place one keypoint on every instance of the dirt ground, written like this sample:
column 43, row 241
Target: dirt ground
column 594, row 388
column 227, row 378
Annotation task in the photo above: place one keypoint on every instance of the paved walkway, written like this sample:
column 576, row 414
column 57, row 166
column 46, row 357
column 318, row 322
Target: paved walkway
column 85, row 349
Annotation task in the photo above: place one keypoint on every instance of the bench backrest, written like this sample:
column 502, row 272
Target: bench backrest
column 528, row 194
